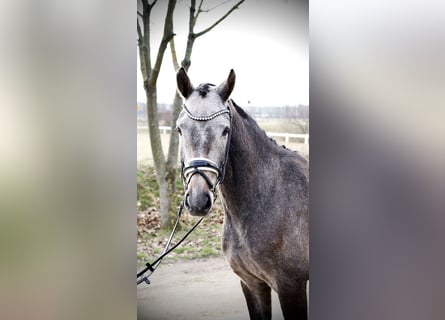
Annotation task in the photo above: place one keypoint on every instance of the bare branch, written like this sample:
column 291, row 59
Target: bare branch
column 192, row 16
column 173, row 52
column 167, row 36
column 142, row 4
column 145, row 6
column 140, row 14
column 140, row 36
column 200, row 5
column 219, row 20
column 198, row 12
column 151, row 5
column 218, row 5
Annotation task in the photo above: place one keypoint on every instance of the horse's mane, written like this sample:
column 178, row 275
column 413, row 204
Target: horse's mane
column 259, row 133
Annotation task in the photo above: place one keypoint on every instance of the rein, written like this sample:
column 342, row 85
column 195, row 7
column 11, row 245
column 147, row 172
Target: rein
column 153, row 266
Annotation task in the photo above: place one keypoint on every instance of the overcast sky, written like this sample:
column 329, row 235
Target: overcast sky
column 265, row 42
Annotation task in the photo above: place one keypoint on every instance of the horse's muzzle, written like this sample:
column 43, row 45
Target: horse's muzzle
column 198, row 203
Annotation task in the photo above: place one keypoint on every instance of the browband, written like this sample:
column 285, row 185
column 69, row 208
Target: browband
column 205, row 118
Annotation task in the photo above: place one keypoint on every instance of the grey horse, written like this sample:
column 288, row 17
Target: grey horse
column 264, row 189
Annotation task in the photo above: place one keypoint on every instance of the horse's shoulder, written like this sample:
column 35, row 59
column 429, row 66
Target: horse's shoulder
column 294, row 167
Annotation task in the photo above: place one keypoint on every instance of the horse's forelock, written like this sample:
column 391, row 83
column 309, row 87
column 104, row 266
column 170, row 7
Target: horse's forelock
column 204, row 88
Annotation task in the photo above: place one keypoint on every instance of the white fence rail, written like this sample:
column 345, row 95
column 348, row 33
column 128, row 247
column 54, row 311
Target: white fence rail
column 163, row 129
column 286, row 136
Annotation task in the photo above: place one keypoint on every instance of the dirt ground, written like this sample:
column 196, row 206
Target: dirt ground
column 195, row 289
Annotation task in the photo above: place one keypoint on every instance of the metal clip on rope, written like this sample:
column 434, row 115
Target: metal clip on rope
column 153, row 266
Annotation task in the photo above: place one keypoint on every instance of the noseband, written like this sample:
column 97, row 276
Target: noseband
column 202, row 165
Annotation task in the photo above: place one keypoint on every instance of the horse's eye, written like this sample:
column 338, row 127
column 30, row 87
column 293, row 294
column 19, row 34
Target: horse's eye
column 226, row 131
column 179, row 131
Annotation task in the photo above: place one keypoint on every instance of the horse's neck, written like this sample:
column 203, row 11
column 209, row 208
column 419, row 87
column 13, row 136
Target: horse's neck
column 246, row 164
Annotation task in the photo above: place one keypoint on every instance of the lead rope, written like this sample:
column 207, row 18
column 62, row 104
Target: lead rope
column 154, row 265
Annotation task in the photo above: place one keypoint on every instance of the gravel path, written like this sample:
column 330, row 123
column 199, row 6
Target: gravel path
column 196, row 289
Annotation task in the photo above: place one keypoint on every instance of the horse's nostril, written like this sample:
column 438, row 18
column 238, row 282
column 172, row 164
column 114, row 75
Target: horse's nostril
column 198, row 203
column 187, row 201
column 208, row 204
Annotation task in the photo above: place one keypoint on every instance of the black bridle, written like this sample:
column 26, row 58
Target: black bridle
column 194, row 166
column 201, row 165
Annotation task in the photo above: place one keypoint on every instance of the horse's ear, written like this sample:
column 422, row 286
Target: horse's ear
column 185, row 87
column 225, row 88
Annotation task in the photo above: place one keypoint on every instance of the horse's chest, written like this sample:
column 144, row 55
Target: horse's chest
column 236, row 246
column 244, row 254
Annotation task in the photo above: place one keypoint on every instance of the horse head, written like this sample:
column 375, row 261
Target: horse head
column 204, row 126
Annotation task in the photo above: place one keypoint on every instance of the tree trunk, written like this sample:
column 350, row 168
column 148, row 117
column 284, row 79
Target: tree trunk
column 165, row 196
column 163, row 172
column 173, row 147
column 150, row 75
